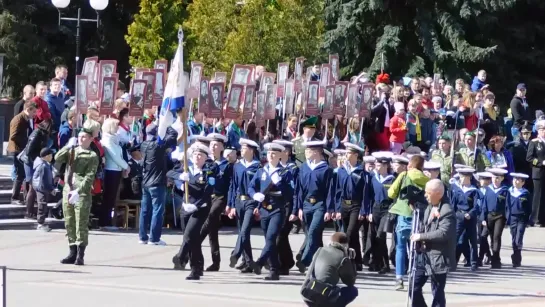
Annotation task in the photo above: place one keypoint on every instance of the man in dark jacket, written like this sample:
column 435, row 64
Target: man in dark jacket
column 154, row 183
column 28, row 93
column 519, row 107
column 435, row 254
column 329, row 265
column 518, row 150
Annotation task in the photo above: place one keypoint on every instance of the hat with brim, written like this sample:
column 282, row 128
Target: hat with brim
column 273, row 147
column 353, row 148
column 369, row 159
column 217, row 137
column 497, row 172
column 432, row 166
column 134, row 148
column 248, row 143
column 484, row 175
column 201, row 138
column 198, row 147
column 339, row 152
column 228, row 150
column 519, row 176
column 466, row 171
column 284, row 143
column 328, row 153
column 400, row 159
column 314, row 144
column 310, row 122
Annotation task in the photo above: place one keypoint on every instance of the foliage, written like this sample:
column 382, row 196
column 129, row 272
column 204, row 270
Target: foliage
column 153, row 34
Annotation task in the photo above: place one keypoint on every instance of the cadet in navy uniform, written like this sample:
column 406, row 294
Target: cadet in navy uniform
column 369, row 166
column 241, row 205
column 224, row 171
column 432, row 169
column 271, row 187
column 489, row 199
column 339, row 163
column 201, row 183
column 285, row 253
column 493, row 212
column 536, row 156
column 519, row 211
column 381, row 181
column 353, row 189
column 313, row 200
column 467, row 211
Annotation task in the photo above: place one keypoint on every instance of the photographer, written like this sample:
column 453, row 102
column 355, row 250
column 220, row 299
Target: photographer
column 331, row 263
column 435, row 250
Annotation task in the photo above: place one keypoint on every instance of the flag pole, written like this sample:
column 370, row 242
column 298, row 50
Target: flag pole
column 184, row 137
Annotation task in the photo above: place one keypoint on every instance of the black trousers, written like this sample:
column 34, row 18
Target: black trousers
column 379, row 249
column 484, row 247
column 438, row 283
column 42, row 207
column 302, row 248
column 112, row 179
column 30, row 199
column 495, row 225
column 538, row 202
column 192, row 244
column 351, row 226
column 212, row 225
column 365, row 243
column 20, row 177
column 285, row 255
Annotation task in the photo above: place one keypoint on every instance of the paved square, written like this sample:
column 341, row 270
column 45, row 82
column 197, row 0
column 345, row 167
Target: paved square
column 120, row 272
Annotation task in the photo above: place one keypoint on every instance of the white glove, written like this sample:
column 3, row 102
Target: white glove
column 351, row 253
column 543, row 162
column 259, row 197
column 73, row 197
column 72, row 142
column 275, row 178
column 189, row 208
column 184, row 176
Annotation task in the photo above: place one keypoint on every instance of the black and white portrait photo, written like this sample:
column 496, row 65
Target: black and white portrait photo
column 249, row 98
column 108, row 94
column 89, row 69
column 216, row 97
column 107, row 70
column 234, row 99
column 290, row 90
column 298, row 74
column 241, row 75
column 195, row 76
column 82, row 90
column 339, row 96
column 203, row 96
column 150, row 81
column 334, row 62
column 138, row 89
column 313, row 95
column 282, row 73
column 324, row 76
column 261, row 104
column 159, row 88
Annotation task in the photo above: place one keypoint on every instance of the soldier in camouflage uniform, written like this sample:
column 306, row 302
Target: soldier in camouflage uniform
column 444, row 158
column 76, row 196
column 466, row 155
column 309, row 128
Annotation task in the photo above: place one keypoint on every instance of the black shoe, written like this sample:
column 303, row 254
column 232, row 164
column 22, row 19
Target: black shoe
column 256, row 268
column 81, row 254
column 473, row 268
column 71, row 258
column 372, row 268
column 359, row 267
column 284, row 272
column 233, row 262
column 296, row 229
column 298, row 257
column 193, row 276
column 179, row 265
column 496, row 265
column 272, row 276
column 467, row 265
column 200, row 271
column 302, row 268
column 213, row 268
column 479, row 263
column 246, row 270
column 487, row 260
column 267, row 266
column 366, row 261
column 384, row 270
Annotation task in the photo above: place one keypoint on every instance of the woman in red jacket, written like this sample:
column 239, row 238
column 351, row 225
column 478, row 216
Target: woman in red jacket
column 398, row 128
column 470, row 114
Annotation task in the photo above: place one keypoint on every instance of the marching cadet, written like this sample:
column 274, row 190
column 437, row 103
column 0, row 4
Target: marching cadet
column 369, row 163
column 224, row 170
column 467, row 211
column 489, row 198
column 285, row 253
column 309, row 129
column 241, row 205
column 313, row 200
column 369, row 166
column 444, row 158
column 494, row 210
column 470, row 156
column 432, row 169
column 200, row 183
column 338, row 165
column 352, row 190
column 76, row 196
column 519, row 211
column 271, row 188
column 381, row 181
column 536, row 156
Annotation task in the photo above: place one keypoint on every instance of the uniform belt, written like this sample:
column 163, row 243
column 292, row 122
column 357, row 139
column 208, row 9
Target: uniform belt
column 217, row 196
column 312, row 200
column 275, row 193
column 266, row 206
column 347, row 202
column 495, row 213
column 244, row 197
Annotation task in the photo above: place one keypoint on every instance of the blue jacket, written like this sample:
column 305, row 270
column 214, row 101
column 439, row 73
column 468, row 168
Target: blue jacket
column 65, row 133
column 466, row 199
column 428, row 129
column 477, row 84
column 42, row 179
column 276, row 195
column 56, row 107
column 520, row 204
column 233, row 137
column 316, row 183
column 243, row 174
column 224, row 173
column 352, row 186
column 494, row 201
column 379, row 192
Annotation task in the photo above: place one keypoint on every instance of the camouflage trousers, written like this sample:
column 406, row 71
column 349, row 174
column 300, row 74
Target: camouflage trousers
column 76, row 219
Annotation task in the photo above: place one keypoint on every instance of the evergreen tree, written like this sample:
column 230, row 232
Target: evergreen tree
column 409, row 37
column 154, row 33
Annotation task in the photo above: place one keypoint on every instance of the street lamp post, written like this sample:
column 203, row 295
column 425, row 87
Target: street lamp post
column 97, row 5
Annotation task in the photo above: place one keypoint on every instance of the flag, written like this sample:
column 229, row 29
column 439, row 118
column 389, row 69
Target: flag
column 175, row 89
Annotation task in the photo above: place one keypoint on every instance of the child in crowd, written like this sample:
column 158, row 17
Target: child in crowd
column 519, row 213
column 43, row 184
column 428, row 129
column 398, row 128
column 414, row 132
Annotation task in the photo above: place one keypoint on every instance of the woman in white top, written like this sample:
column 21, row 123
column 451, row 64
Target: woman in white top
column 113, row 169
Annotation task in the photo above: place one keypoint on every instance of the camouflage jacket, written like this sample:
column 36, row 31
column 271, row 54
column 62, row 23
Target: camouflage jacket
column 85, row 166
column 446, row 164
column 466, row 156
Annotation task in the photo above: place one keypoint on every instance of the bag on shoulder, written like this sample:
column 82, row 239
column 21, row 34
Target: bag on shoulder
column 318, row 292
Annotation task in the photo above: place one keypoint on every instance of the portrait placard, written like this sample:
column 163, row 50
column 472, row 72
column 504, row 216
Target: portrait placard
column 249, row 94
column 325, row 78
column 215, row 100
column 220, row 76
column 327, row 110
column 312, row 108
column 339, row 106
column 270, row 102
column 139, row 72
column 242, row 74
column 298, row 73
column 82, row 101
column 149, row 76
column 159, row 89
column 194, row 80
column 107, row 96
column 203, row 106
column 352, row 104
column 282, row 72
column 366, row 93
column 261, row 98
column 267, row 78
column 290, row 95
column 436, row 83
column 137, row 97
column 335, row 68
column 234, row 100
column 106, row 69
column 163, row 66
column 90, row 66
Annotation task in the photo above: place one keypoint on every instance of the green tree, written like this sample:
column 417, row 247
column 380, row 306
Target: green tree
column 154, row 32
column 410, row 37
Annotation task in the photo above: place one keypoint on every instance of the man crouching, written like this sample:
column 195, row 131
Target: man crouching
column 330, row 264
